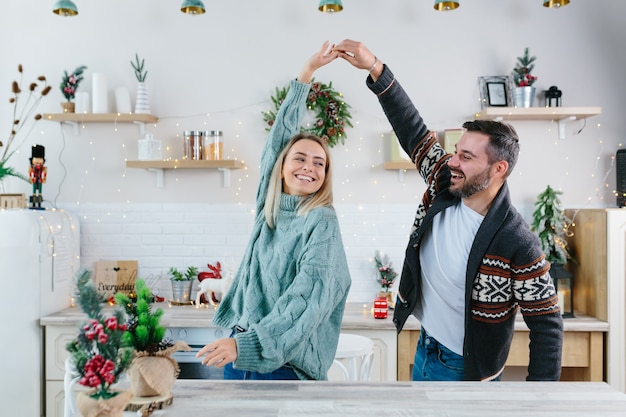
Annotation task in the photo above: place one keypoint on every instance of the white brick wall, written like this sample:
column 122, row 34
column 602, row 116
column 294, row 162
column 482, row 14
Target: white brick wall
column 159, row 236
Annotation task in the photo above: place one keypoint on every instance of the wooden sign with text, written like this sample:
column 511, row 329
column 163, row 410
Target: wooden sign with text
column 114, row 276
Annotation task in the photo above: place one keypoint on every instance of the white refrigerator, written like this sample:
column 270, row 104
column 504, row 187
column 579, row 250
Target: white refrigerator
column 39, row 257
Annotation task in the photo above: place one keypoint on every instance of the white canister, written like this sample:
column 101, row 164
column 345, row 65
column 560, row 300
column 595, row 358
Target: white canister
column 100, row 99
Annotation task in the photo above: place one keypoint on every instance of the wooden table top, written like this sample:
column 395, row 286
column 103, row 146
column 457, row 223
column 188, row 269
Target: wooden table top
column 405, row 399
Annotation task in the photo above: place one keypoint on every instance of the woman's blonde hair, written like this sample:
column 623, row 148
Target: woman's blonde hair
column 322, row 198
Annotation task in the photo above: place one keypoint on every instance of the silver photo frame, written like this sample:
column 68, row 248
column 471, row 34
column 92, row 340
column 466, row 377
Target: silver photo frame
column 495, row 91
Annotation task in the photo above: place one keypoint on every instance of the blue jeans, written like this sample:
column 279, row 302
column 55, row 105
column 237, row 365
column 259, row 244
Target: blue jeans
column 281, row 374
column 435, row 362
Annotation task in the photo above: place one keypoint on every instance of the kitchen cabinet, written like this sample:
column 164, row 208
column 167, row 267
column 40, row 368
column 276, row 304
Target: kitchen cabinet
column 583, row 349
column 56, row 337
column 599, row 246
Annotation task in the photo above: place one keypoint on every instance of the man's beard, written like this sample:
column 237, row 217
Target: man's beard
column 473, row 185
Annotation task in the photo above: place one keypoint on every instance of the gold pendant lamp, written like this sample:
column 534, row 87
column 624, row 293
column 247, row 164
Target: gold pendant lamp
column 193, row 7
column 555, row 4
column 446, row 6
column 65, row 8
column 330, row 6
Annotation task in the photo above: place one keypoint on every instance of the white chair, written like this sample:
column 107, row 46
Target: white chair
column 69, row 381
column 354, row 357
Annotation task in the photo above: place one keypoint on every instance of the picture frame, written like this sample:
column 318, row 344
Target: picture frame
column 495, row 91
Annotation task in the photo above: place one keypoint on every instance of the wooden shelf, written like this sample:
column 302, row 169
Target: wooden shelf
column 393, row 165
column 101, row 117
column 400, row 166
column 224, row 165
column 562, row 115
column 537, row 113
column 187, row 164
column 76, row 119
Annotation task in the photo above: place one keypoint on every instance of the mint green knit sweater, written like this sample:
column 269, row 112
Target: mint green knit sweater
column 291, row 287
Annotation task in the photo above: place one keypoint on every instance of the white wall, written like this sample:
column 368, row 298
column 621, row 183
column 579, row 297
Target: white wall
column 218, row 70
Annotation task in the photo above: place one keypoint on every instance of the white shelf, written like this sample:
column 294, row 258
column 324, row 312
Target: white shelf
column 159, row 167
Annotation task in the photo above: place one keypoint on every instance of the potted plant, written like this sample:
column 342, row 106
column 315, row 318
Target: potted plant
column 551, row 225
column 142, row 103
column 182, row 282
column 153, row 371
column 100, row 353
column 524, row 80
column 69, row 85
column 386, row 276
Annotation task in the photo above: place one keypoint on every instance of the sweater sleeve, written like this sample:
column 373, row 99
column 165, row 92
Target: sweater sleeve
column 286, row 125
column 303, row 326
column 400, row 111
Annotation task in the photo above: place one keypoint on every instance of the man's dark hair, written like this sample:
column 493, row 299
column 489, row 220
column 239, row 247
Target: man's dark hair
column 503, row 141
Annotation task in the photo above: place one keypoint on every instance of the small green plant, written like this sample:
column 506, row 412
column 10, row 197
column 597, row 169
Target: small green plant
column 551, row 224
column 190, row 274
column 145, row 332
column 138, row 67
column 522, row 73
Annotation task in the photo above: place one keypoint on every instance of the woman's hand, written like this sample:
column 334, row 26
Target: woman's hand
column 219, row 353
column 360, row 57
column 322, row 57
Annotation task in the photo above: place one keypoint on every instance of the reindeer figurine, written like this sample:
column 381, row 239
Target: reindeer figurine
column 213, row 282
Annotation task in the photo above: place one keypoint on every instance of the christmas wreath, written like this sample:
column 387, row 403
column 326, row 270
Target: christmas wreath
column 331, row 112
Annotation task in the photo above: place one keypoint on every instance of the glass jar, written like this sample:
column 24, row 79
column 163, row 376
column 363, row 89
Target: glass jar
column 213, row 145
column 192, row 144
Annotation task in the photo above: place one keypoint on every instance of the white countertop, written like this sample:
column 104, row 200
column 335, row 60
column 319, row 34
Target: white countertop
column 357, row 316
column 407, row 399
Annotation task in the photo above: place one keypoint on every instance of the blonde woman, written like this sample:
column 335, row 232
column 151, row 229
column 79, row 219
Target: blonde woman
column 287, row 300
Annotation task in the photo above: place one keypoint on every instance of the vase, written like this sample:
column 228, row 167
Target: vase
column 99, row 407
column 524, row 96
column 142, row 103
column 181, row 292
column 67, row 106
column 152, row 376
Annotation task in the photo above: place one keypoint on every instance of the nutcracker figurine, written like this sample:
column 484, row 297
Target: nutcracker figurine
column 37, row 174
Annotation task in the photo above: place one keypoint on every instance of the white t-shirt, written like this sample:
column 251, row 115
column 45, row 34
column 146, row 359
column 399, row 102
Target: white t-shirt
column 444, row 253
